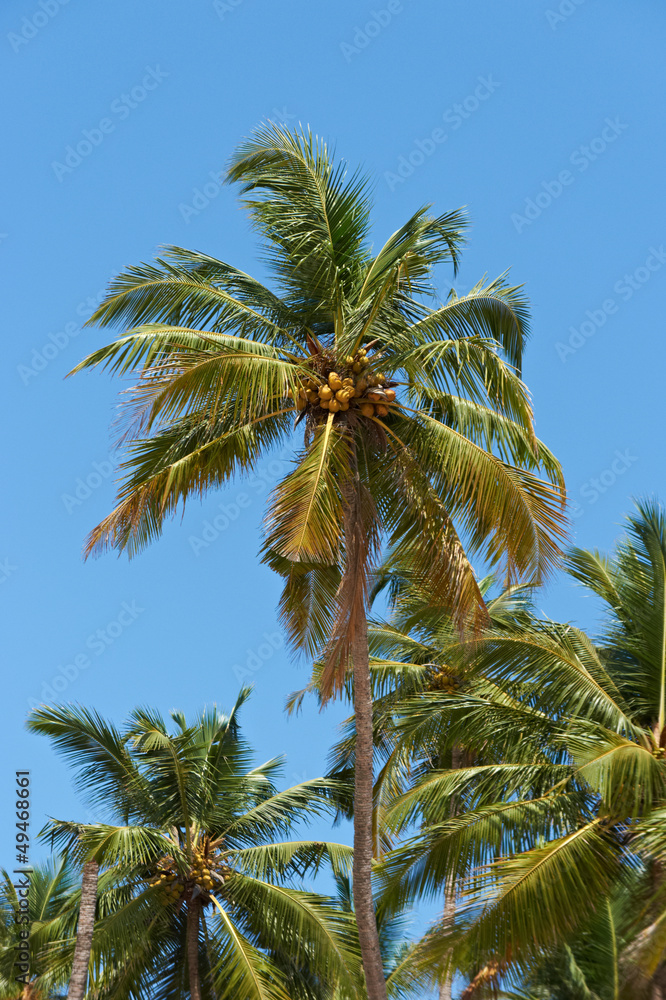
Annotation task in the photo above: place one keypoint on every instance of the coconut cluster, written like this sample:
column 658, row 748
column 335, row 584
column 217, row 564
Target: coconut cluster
column 445, row 680
column 205, row 872
column 345, row 384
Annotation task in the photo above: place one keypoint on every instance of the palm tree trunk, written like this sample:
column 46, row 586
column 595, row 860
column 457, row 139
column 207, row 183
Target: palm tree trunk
column 84, row 932
column 363, row 841
column 193, row 950
column 355, row 600
column 446, row 985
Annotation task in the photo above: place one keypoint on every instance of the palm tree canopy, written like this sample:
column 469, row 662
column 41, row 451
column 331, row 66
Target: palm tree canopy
column 191, row 826
column 563, row 796
column 50, row 920
column 422, row 404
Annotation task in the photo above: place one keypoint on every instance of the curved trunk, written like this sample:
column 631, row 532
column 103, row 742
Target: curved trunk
column 84, row 932
column 193, row 950
column 363, row 841
column 353, row 598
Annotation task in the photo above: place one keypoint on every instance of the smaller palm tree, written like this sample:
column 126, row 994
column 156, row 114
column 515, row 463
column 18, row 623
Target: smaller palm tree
column 206, row 904
column 50, row 923
column 564, row 793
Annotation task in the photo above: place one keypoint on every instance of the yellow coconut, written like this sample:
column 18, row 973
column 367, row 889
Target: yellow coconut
column 390, row 394
column 334, row 381
column 334, row 406
column 357, row 367
column 325, row 392
column 325, row 403
column 382, row 410
column 344, row 406
column 367, row 409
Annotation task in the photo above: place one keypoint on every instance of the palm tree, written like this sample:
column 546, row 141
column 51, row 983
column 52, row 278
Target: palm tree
column 408, row 658
column 596, row 963
column 50, row 922
column 84, row 931
column 204, row 904
column 565, row 792
column 416, row 427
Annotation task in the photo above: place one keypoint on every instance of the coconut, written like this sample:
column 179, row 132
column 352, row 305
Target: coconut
column 367, row 409
column 325, row 392
column 301, row 403
column 382, row 410
column 357, row 367
column 390, row 394
column 334, row 381
column 334, row 406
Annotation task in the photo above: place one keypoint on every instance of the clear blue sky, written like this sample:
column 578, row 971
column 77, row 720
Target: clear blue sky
column 547, row 121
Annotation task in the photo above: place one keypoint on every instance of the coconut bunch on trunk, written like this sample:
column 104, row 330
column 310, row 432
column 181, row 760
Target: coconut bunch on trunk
column 338, row 385
column 206, row 872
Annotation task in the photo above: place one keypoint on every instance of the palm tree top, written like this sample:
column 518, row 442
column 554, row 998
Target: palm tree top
column 196, row 873
column 422, row 403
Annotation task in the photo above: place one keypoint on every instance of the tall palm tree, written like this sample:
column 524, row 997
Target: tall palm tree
column 565, row 793
column 416, row 427
column 84, row 931
column 408, row 658
column 205, row 905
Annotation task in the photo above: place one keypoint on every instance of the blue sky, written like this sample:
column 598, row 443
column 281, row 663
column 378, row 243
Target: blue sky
column 545, row 118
